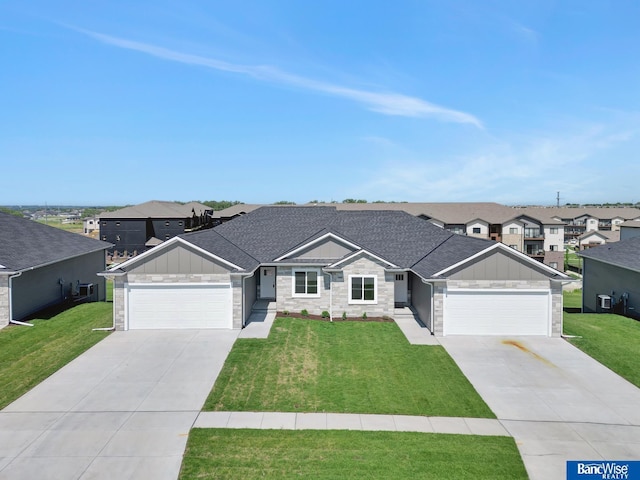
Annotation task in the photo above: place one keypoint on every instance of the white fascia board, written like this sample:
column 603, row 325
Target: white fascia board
column 313, row 242
column 503, row 247
column 362, row 252
column 167, row 244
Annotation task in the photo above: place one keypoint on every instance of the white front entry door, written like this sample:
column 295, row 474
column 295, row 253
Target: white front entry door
column 400, row 288
column 268, row 282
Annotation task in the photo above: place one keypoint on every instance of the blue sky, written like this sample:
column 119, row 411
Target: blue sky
column 119, row 102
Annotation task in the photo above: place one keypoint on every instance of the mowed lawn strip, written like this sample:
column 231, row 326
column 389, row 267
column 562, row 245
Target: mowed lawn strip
column 613, row 340
column 28, row 355
column 572, row 298
column 332, row 454
column 342, row 367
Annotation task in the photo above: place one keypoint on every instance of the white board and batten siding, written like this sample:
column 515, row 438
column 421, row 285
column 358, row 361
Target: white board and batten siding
column 491, row 312
column 179, row 306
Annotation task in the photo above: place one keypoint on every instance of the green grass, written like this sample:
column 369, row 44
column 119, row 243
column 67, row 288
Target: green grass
column 28, row 355
column 572, row 259
column 109, row 293
column 342, row 367
column 76, row 227
column 613, row 340
column 277, row 454
column 572, row 299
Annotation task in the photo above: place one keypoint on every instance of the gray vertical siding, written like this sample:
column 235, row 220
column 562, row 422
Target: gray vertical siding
column 178, row 259
column 602, row 279
column 250, row 292
column 497, row 265
column 421, row 300
column 40, row 288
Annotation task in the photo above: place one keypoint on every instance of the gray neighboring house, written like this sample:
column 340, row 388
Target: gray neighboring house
column 41, row 266
column 629, row 229
column 352, row 262
column 613, row 271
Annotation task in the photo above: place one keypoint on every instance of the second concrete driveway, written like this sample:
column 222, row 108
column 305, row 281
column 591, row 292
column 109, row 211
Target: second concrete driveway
column 123, row 409
column 557, row 402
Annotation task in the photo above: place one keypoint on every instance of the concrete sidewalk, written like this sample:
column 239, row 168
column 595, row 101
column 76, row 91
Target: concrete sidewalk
column 350, row 421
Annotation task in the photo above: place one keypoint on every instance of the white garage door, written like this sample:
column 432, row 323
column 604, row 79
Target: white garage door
column 473, row 312
column 179, row 306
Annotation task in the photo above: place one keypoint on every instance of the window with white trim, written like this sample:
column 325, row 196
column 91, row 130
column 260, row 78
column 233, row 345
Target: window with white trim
column 553, row 230
column 305, row 283
column 363, row 289
column 513, row 230
column 476, row 230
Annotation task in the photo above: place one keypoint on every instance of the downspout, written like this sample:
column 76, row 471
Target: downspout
column 11, row 320
column 244, row 298
column 330, row 296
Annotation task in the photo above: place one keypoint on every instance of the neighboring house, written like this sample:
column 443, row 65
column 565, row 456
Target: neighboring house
column 611, row 278
column 90, row 225
column 580, row 220
column 629, row 229
column 41, row 266
column 343, row 262
column 132, row 230
column 593, row 238
column 229, row 213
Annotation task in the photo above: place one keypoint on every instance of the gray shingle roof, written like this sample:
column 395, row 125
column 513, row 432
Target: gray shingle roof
column 625, row 253
column 396, row 236
column 158, row 209
column 26, row 243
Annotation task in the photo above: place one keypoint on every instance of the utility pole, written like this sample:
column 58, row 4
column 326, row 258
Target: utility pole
column 558, row 200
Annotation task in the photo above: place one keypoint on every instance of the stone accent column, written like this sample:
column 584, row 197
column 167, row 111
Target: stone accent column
column 118, row 302
column 438, row 309
column 556, row 309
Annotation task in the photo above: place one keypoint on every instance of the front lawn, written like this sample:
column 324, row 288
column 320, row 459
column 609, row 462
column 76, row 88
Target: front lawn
column 332, row 454
column 611, row 339
column 342, row 367
column 28, row 355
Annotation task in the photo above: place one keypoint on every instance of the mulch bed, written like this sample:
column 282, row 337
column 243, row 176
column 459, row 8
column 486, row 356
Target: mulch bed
column 335, row 319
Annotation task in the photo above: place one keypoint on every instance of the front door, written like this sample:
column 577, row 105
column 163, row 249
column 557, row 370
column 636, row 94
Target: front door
column 268, row 282
column 400, row 289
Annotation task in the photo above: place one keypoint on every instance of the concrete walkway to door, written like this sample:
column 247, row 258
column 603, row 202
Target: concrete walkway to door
column 123, row 409
column 557, row 402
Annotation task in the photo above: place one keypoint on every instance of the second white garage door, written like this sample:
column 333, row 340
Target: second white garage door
column 179, row 306
column 491, row 312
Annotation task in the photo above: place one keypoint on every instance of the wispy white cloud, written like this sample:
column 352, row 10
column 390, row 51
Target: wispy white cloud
column 387, row 103
column 510, row 172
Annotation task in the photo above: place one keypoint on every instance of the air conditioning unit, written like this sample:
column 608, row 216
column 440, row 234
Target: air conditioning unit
column 604, row 302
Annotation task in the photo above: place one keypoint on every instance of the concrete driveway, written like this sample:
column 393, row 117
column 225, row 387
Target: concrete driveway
column 557, row 402
column 121, row 410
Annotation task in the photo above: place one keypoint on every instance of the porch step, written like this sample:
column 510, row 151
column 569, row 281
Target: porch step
column 264, row 306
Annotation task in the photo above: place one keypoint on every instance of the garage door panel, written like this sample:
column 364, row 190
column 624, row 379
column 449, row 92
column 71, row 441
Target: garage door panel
column 496, row 313
column 179, row 306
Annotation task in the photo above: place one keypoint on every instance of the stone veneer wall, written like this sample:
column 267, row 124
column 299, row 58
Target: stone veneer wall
column 334, row 291
column 118, row 302
column 4, row 300
column 285, row 301
column 556, row 309
column 556, row 298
